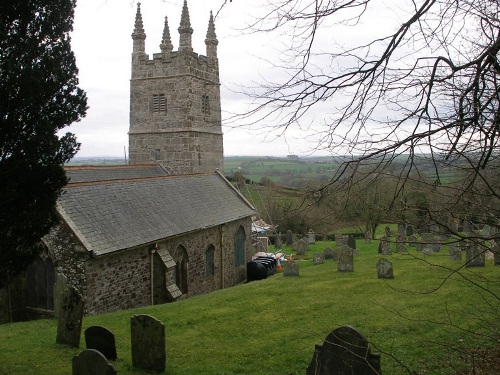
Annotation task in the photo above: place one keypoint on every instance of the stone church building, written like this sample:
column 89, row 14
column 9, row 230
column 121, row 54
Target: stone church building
column 168, row 224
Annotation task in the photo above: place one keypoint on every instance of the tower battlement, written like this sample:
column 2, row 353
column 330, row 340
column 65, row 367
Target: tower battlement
column 175, row 107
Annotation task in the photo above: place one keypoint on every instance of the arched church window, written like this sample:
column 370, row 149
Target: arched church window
column 210, row 261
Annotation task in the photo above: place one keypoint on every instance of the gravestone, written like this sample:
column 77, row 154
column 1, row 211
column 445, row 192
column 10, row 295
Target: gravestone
column 60, row 286
column 329, row 253
column 454, row 252
column 368, row 236
column 401, row 229
column 306, row 242
column 69, row 325
column 409, row 230
column 318, row 258
column 301, row 247
column 289, row 237
column 341, row 239
column 384, row 269
column 311, row 237
column 345, row 259
column 102, row 340
column 474, row 255
column 400, row 244
column 467, row 226
column 412, row 240
column 384, row 246
column 278, row 243
column 290, row 268
column 295, row 245
column 344, row 351
column 148, row 343
column 91, row 362
column 388, row 232
column 495, row 248
column 425, row 244
column 351, row 241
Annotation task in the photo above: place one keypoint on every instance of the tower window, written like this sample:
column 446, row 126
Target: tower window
column 159, row 103
column 205, row 105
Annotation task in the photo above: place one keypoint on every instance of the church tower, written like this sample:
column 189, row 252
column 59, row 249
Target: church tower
column 175, row 109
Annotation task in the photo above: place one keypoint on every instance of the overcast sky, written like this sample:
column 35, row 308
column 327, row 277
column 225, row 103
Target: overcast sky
column 102, row 44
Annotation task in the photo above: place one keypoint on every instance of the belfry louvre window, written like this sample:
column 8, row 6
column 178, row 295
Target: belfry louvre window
column 205, row 105
column 159, row 103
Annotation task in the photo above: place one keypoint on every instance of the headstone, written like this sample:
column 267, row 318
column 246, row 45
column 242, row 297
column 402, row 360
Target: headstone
column 278, row 243
column 384, row 246
column 69, row 325
column 341, row 239
column 454, row 252
column 290, row 268
column 412, row 240
column 306, row 242
column 60, row 286
column 368, row 236
column 91, row 362
column 148, row 343
column 409, row 230
column 401, row 229
column 325, row 236
column 351, row 241
column 318, row 258
column 474, row 255
column 264, row 242
column 311, row 237
column 102, row 340
column 344, row 351
column 345, row 259
column 467, row 226
column 329, row 253
column 301, row 247
column 425, row 245
column 295, row 245
column 384, row 269
column 495, row 248
column 289, row 237
column 400, row 244
column 388, row 232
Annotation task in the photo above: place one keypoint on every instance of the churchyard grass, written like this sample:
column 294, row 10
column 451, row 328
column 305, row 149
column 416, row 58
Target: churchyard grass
column 271, row 326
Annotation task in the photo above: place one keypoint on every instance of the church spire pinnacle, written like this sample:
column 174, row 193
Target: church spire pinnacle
column 211, row 39
column 139, row 36
column 166, row 43
column 185, row 30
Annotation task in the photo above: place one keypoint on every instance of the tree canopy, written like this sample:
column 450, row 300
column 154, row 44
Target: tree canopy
column 39, row 96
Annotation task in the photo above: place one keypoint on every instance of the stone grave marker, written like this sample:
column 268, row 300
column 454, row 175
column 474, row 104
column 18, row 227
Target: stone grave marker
column 412, row 240
column 401, row 244
column 384, row 269
column 69, row 325
column 290, row 268
column 60, row 286
column 388, row 232
column 454, row 252
column 102, row 340
column 311, row 237
column 495, row 248
column 401, row 229
column 341, row 239
column 351, row 241
column 344, row 351
column 409, row 230
column 345, row 259
column 278, row 243
column 91, row 362
column 329, row 253
column 474, row 255
column 368, row 236
column 148, row 343
column 295, row 245
column 301, row 247
column 384, row 247
column 289, row 237
column 306, row 242
column 467, row 226
column 318, row 258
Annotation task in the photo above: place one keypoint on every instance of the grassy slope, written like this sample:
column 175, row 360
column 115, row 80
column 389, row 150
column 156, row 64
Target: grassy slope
column 271, row 326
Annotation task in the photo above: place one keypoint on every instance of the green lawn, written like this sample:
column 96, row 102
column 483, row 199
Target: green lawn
column 271, row 326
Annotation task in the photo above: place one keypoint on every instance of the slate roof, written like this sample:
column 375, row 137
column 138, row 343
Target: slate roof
column 110, row 216
column 105, row 173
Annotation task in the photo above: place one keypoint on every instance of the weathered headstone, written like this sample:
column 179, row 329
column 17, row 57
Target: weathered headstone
column 328, row 252
column 295, row 245
column 474, row 255
column 318, row 258
column 388, row 232
column 289, row 237
column 384, row 247
column 148, row 343
column 69, row 325
column 341, row 239
column 401, row 229
column 368, row 236
column 102, row 340
column 412, row 240
column 344, row 351
column 409, row 230
column 345, row 259
column 495, row 248
column 454, row 252
column 290, row 268
column 400, row 244
column 384, row 269
column 91, row 362
column 60, row 286
column 278, row 243
column 301, row 247
column 311, row 237
column 351, row 241
column 467, row 226
column 306, row 242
